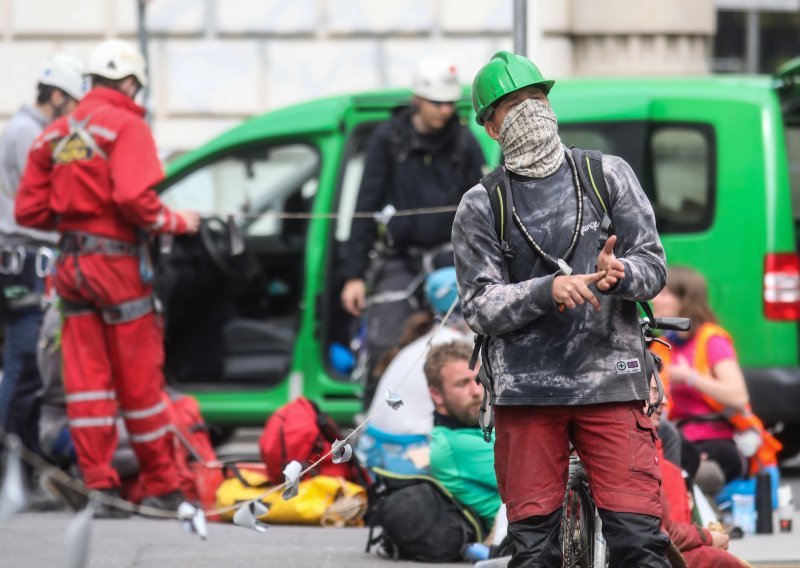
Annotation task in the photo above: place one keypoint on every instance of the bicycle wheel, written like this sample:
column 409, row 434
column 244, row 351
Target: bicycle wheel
column 577, row 520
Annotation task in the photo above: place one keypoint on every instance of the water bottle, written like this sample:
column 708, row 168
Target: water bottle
column 785, row 508
column 763, row 503
column 744, row 512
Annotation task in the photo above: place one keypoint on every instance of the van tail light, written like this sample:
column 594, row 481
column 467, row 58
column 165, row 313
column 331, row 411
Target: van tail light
column 782, row 287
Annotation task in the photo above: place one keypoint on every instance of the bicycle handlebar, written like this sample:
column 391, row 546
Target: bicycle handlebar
column 648, row 324
column 672, row 324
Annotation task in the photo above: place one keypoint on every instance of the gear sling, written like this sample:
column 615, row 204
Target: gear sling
column 113, row 348
column 77, row 243
column 588, row 165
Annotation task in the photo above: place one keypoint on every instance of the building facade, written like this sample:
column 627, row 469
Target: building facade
column 216, row 62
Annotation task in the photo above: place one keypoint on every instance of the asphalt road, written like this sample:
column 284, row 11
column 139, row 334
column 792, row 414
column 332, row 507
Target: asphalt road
column 37, row 540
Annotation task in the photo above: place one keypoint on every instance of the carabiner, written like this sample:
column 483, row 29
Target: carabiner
column 45, row 259
column 12, row 260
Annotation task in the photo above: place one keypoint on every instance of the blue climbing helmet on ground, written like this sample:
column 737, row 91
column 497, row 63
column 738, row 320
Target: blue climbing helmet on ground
column 441, row 289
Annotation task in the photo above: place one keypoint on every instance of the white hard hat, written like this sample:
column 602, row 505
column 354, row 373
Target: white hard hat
column 116, row 59
column 436, row 79
column 66, row 73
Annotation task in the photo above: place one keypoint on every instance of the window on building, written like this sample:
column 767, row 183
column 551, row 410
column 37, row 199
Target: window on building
column 777, row 40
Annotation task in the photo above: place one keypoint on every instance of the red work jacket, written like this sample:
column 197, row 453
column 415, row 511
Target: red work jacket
column 107, row 192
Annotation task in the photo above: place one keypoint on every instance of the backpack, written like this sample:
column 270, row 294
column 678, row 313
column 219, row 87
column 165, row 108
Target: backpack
column 329, row 501
column 589, row 164
column 198, row 470
column 298, row 431
column 419, row 519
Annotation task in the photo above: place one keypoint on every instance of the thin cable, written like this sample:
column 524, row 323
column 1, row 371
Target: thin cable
column 94, row 495
column 378, row 409
column 354, row 215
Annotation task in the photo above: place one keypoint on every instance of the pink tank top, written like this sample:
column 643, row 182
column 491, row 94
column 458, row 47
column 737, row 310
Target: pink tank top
column 688, row 401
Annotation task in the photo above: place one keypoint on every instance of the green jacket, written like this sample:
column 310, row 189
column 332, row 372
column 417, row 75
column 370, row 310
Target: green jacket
column 464, row 463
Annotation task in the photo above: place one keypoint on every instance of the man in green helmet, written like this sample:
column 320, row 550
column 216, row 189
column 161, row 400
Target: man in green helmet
column 564, row 352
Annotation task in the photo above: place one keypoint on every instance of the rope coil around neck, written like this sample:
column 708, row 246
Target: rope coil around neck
column 558, row 263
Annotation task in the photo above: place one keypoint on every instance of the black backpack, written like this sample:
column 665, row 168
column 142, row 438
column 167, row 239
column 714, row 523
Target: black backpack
column 589, row 164
column 419, row 519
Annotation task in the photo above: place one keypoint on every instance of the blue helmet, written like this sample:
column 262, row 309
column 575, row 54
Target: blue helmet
column 441, row 290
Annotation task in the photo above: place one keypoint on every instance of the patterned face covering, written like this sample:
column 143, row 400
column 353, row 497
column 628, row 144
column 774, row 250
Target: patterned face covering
column 529, row 140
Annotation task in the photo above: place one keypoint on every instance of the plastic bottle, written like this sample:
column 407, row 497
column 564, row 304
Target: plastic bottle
column 785, row 508
column 744, row 512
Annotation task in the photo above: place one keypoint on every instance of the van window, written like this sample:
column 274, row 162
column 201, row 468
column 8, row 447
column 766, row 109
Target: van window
column 681, row 190
column 246, row 331
column 254, row 185
column 624, row 139
column 793, row 149
column 673, row 162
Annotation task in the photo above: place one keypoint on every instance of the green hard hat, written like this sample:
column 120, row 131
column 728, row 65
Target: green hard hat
column 505, row 73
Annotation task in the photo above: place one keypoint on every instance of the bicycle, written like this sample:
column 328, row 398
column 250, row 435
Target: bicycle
column 582, row 542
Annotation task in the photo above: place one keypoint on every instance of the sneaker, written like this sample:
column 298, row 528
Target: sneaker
column 103, row 510
column 169, row 501
column 65, row 494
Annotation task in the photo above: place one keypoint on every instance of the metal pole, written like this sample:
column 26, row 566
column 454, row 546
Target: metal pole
column 520, row 27
column 143, row 36
column 752, row 41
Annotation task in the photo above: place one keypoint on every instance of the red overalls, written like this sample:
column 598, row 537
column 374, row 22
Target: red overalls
column 90, row 176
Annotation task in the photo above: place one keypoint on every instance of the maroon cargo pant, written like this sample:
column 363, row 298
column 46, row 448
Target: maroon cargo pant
column 616, row 443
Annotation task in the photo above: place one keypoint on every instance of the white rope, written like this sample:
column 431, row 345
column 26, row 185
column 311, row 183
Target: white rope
column 377, row 215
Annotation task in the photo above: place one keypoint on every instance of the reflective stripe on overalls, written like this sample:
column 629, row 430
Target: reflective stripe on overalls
column 79, row 128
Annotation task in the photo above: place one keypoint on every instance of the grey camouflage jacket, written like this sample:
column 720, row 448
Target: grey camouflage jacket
column 536, row 354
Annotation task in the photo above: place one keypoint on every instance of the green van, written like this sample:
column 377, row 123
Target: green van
column 248, row 332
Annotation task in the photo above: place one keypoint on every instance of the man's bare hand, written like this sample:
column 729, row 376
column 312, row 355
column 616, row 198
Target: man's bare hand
column 572, row 291
column 608, row 262
column 191, row 219
column 719, row 539
column 354, row 296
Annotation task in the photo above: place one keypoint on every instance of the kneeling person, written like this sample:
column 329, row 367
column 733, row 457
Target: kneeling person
column 460, row 459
